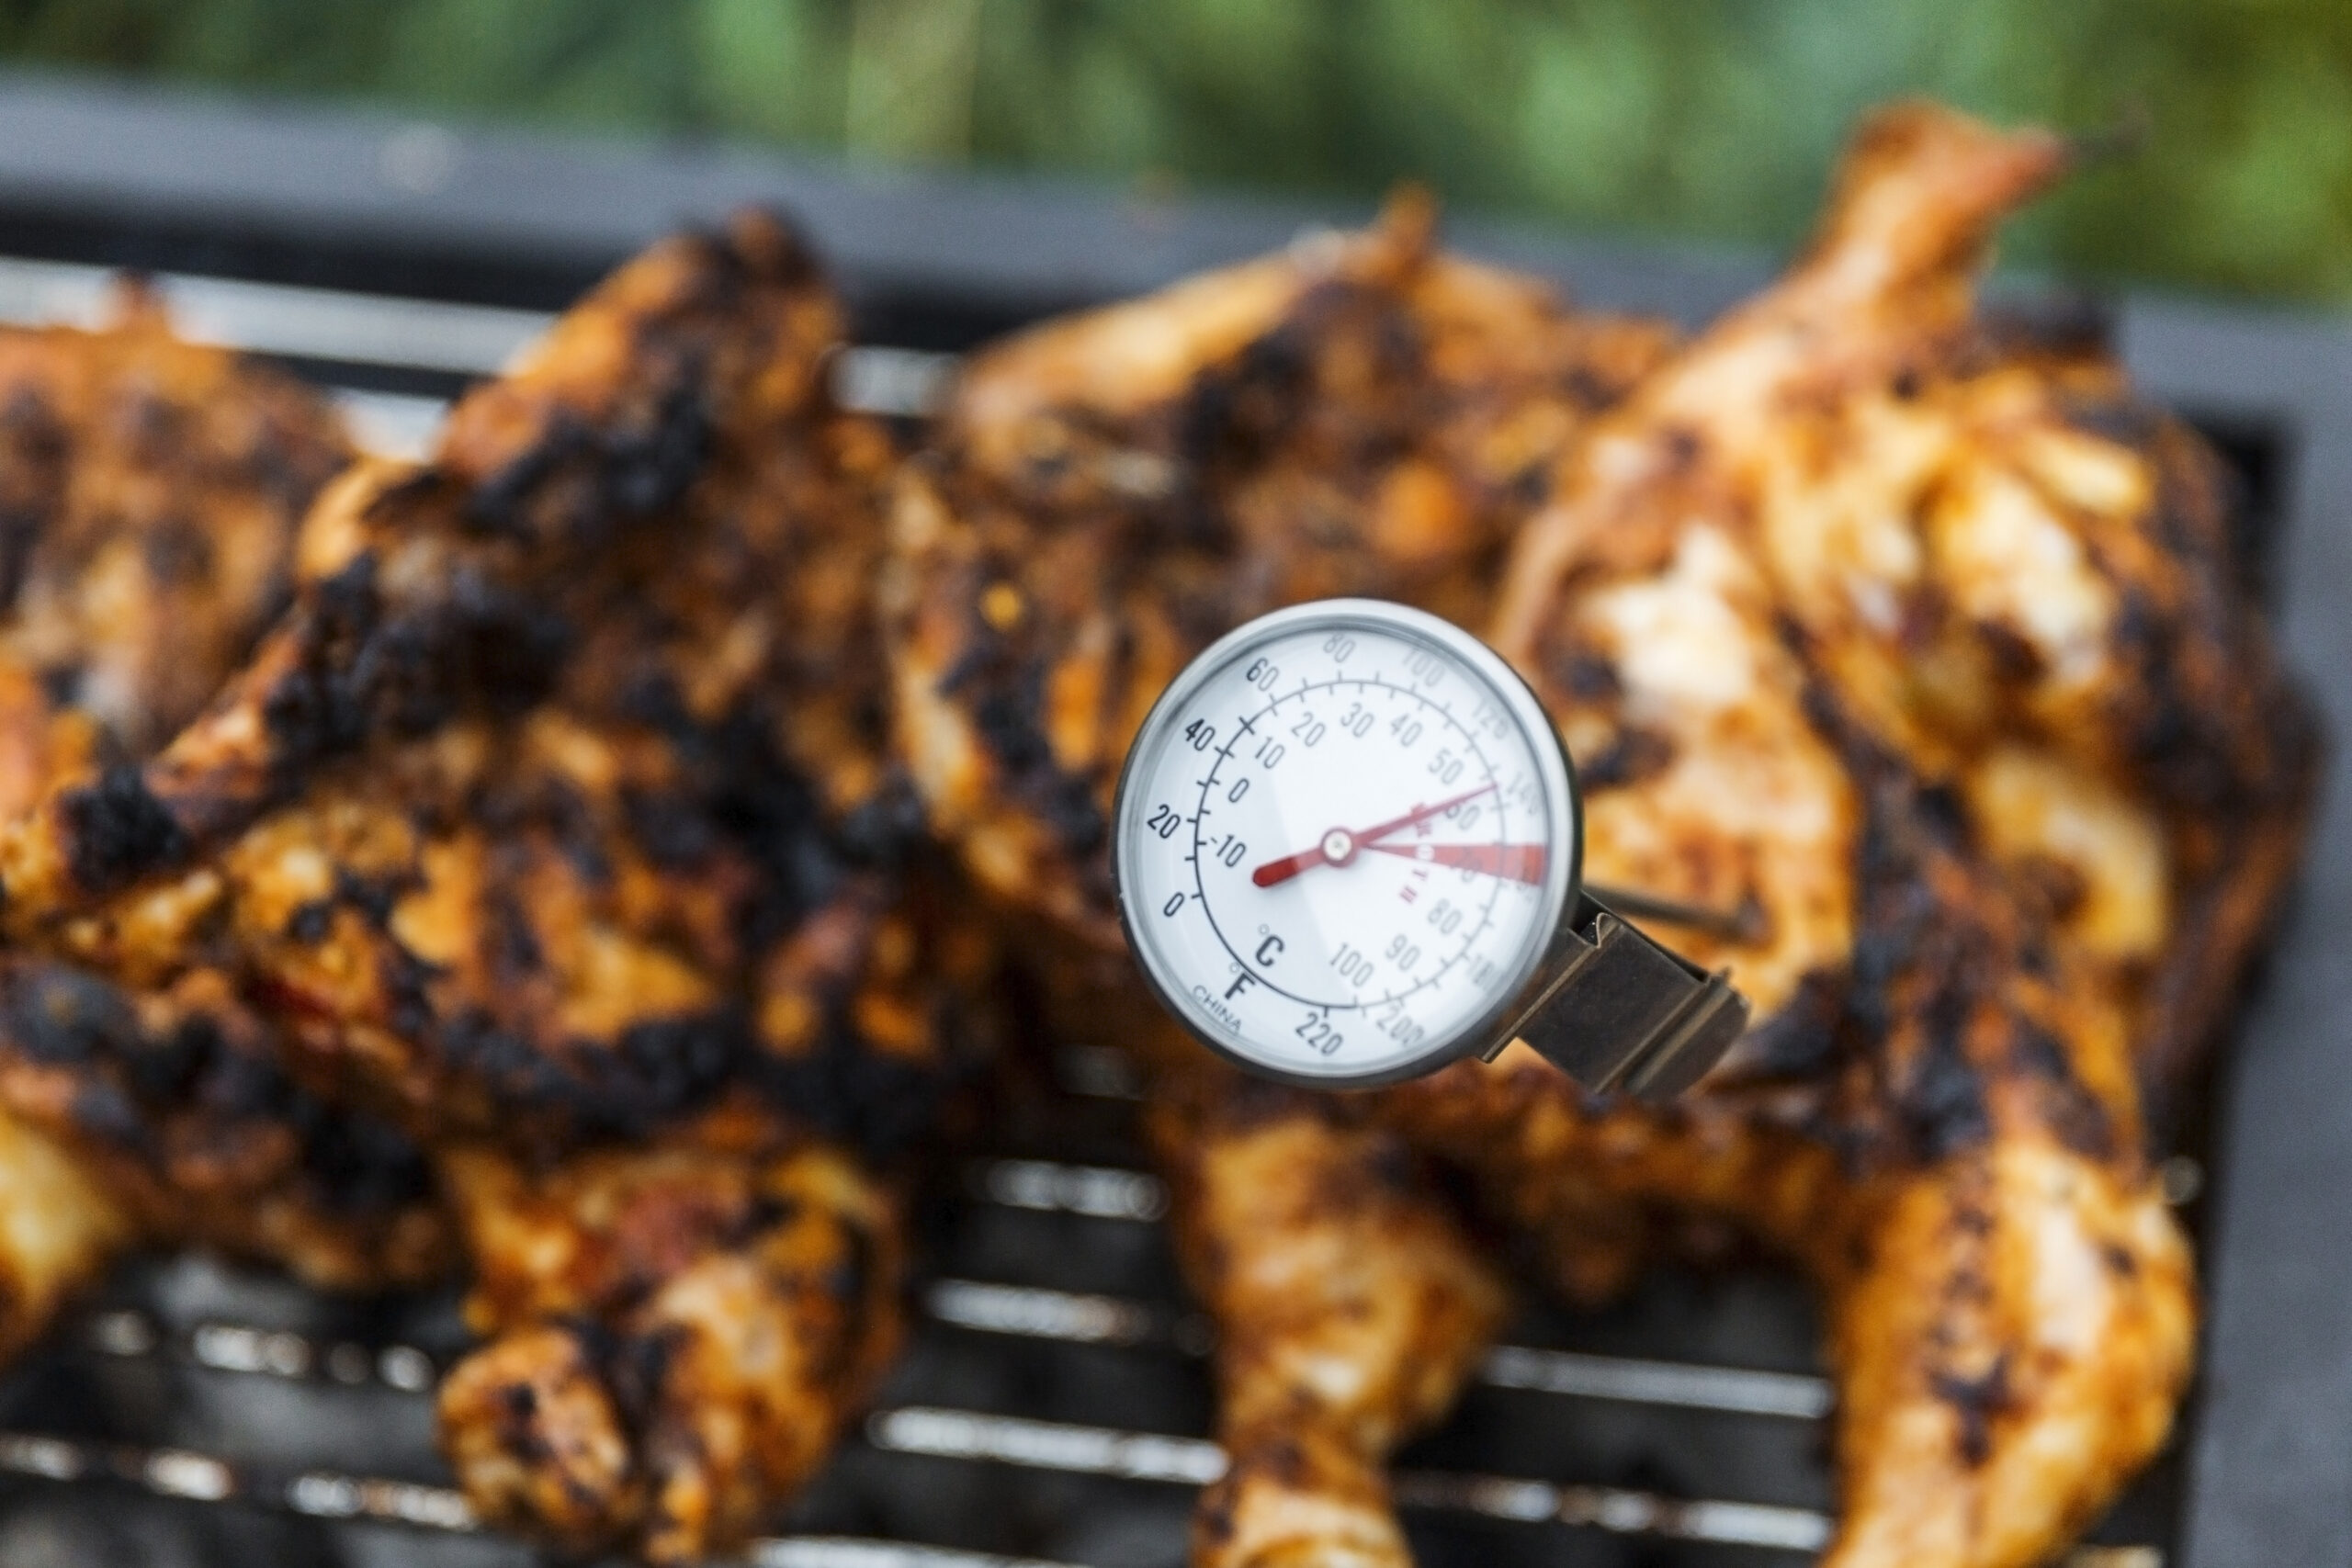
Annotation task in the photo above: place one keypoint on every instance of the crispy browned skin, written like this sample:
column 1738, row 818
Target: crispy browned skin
column 175, row 1103
column 1926, row 642
column 1350, row 1306
column 58, row 1229
column 556, row 811
column 578, row 892
column 558, row 496
column 1109, row 493
column 675, row 1333
column 148, row 495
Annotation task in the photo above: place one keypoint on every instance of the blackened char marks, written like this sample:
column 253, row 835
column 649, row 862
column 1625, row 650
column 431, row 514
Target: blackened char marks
column 116, row 831
column 1800, row 1040
column 1235, row 413
column 881, row 1105
column 1939, row 1090
column 1975, row 1403
column 656, row 1072
column 1010, row 714
column 1927, row 972
column 176, row 1090
column 590, row 472
column 59, row 1016
column 1631, row 756
column 366, row 663
column 887, row 827
column 582, row 483
column 1917, row 970
column 2075, row 1113
column 672, row 828
column 102, row 1111
column 634, row 1368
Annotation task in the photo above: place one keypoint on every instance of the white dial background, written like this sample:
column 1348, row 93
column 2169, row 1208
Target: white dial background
column 1270, row 883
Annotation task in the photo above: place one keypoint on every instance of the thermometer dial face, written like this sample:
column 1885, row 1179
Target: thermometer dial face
column 1344, row 839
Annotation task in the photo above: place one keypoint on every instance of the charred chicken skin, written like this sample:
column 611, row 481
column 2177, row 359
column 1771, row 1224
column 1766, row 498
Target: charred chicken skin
column 1107, row 495
column 1926, row 642
column 149, row 490
column 554, row 815
column 675, row 1331
column 149, row 493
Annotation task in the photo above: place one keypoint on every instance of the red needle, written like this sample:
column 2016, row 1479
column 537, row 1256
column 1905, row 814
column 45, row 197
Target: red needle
column 1519, row 863
column 1338, row 846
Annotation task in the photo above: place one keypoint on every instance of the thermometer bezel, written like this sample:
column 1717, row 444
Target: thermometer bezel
column 1486, row 1031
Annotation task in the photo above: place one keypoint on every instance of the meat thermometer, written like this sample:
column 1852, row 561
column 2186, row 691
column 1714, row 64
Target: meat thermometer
column 1348, row 850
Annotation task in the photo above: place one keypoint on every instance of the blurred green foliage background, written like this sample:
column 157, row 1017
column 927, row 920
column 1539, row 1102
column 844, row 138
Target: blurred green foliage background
column 1709, row 119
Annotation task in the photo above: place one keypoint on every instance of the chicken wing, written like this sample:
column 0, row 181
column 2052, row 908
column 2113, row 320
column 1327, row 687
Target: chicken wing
column 577, row 884
column 675, row 1333
column 531, row 544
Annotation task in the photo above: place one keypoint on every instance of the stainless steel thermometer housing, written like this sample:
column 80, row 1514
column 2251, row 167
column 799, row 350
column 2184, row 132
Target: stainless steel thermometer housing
column 1348, row 849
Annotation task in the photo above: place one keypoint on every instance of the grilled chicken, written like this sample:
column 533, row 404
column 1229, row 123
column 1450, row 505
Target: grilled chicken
column 555, row 812
column 1913, row 635
column 554, row 824
column 149, row 490
column 1106, row 495
column 675, row 1332
column 1350, row 1305
column 1925, row 641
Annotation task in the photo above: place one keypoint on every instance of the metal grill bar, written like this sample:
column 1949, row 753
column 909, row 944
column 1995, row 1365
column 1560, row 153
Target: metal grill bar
column 282, row 318
column 1031, row 1313
column 1019, row 1311
column 1139, row 1456
column 843, row 1551
column 329, row 1494
column 1732, row 1389
column 338, row 327
column 935, row 1433
column 1098, row 1192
